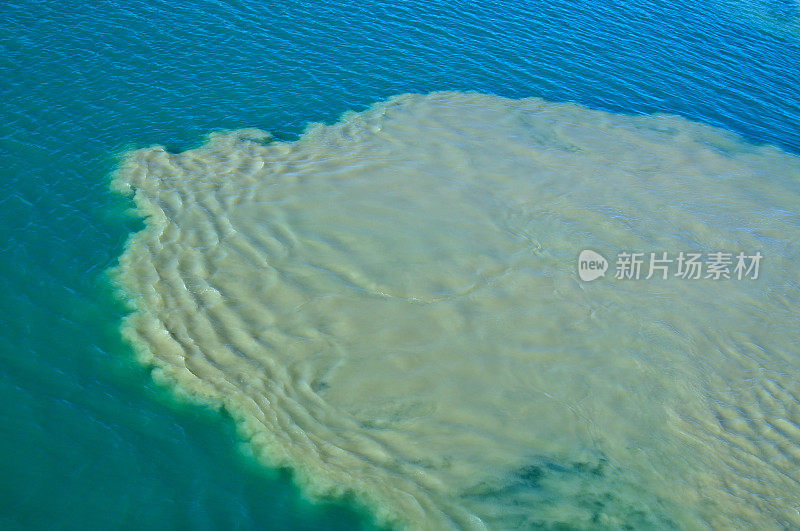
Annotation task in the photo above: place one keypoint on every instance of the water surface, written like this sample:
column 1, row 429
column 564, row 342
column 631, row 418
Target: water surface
column 390, row 306
column 88, row 439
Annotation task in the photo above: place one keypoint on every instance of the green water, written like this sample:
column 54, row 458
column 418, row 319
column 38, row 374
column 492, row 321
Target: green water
column 88, row 438
column 85, row 428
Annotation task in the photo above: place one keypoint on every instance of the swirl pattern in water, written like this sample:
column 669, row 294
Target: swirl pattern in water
column 390, row 306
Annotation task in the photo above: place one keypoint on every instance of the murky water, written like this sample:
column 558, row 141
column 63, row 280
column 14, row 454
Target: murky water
column 390, row 306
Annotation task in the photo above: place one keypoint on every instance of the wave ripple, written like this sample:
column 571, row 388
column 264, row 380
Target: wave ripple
column 389, row 306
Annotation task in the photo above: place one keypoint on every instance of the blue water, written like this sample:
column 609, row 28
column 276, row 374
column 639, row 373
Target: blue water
column 88, row 440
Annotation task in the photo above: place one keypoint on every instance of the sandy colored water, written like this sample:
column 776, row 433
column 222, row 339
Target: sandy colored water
column 390, row 306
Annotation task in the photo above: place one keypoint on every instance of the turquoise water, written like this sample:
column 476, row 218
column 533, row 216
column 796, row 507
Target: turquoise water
column 88, row 439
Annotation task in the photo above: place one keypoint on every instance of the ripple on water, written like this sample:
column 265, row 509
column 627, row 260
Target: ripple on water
column 389, row 306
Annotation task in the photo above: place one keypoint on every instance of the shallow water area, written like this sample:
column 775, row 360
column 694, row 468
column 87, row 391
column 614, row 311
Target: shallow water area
column 390, row 306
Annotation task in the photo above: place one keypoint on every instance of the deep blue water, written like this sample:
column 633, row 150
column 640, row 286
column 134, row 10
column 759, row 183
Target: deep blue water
column 88, row 440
